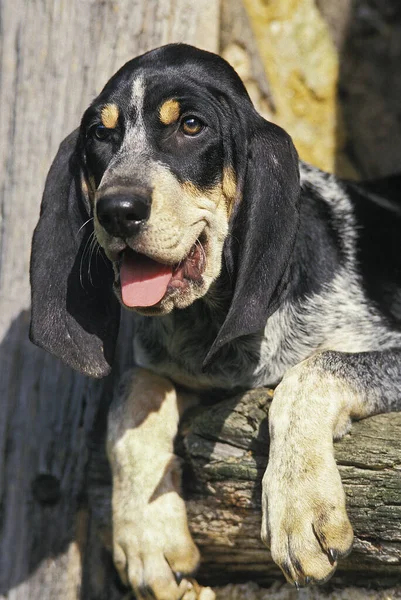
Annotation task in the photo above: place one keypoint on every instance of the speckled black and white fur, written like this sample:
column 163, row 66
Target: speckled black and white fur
column 298, row 286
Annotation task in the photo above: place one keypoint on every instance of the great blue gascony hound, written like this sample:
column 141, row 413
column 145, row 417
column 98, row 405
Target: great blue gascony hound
column 243, row 267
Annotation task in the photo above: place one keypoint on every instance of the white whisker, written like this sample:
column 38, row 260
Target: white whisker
column 199, row 243
column 86, row 222
column 93, row 246
column 89, row 242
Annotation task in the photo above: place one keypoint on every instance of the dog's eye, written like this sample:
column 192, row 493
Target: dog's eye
column 191, row 125
column 101, row 132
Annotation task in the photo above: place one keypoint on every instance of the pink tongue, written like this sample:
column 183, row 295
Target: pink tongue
column 143, row 280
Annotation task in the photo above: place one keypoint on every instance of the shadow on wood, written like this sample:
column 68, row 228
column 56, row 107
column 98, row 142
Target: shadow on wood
column 44, row 457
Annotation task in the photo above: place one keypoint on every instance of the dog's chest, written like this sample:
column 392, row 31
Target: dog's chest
column 176, row 346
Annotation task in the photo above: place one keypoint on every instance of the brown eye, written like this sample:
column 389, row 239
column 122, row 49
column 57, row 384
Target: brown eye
column 191, row 126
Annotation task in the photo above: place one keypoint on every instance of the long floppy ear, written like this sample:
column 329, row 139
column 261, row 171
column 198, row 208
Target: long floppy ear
column 75, row 315
column 258, row 250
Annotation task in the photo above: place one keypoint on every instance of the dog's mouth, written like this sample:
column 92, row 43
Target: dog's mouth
column 145, row 282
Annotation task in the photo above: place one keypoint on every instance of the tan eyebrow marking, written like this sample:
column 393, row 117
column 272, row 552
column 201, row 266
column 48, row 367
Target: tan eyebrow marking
column 110, row 115
column 169, row 111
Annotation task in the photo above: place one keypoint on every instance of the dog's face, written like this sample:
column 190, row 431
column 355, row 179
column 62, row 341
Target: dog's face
column 162, row 185
column 177, row 177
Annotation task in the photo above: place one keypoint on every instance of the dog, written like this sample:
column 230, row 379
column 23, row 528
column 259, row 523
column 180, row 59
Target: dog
column 243, row 267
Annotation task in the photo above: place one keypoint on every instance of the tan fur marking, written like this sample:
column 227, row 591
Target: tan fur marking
column 215, row 194
column 191, row 189
column 169, row 112
column 229, row 185
column 110, row 116
column 84, row 187
column 88, row 188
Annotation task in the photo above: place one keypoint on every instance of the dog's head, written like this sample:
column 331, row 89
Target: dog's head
column 172, row 177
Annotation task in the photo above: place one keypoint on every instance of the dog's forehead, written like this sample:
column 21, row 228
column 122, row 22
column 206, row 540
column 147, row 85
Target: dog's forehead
column 137, row 91
column 149, row 90
column 170, row 71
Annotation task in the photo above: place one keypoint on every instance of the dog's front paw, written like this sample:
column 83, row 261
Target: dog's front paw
column 152, row 546
column 305, row 522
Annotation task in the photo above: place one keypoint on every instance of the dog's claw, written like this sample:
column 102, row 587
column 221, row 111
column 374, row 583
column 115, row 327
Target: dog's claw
column 178, row 577
column 333, row 555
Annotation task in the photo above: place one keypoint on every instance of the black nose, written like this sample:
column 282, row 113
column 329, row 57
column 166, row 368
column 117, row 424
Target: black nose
column 122, row 215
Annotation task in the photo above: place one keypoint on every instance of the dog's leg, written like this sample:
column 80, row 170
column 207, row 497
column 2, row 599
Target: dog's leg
column 151, row 540
column 305, row 523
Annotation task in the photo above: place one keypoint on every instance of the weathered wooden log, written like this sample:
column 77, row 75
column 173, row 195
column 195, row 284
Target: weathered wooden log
column 226, row 450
